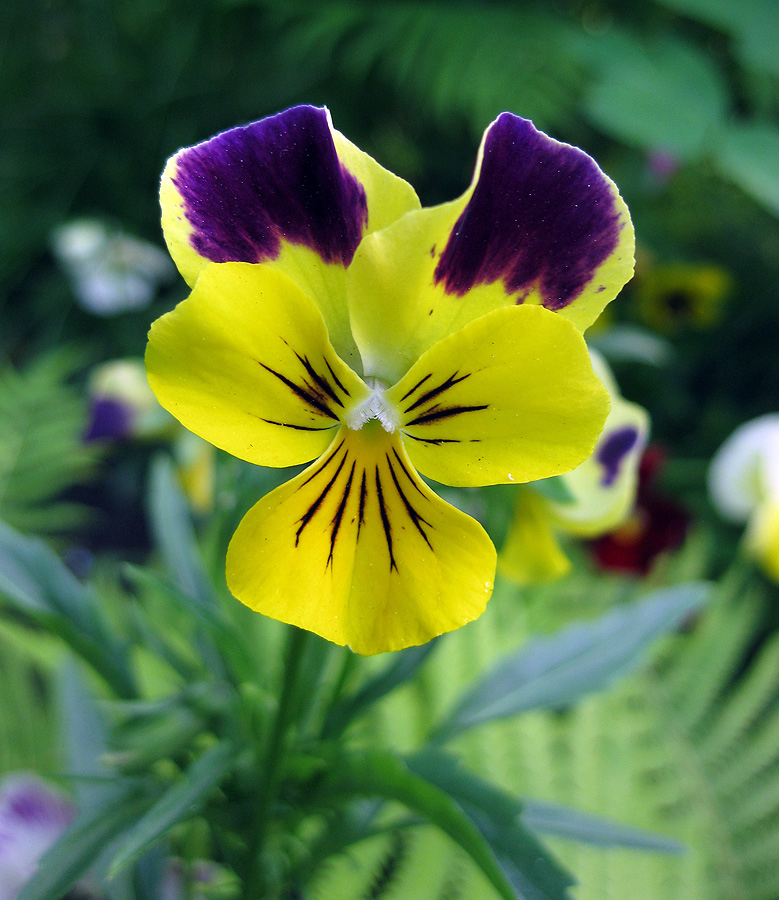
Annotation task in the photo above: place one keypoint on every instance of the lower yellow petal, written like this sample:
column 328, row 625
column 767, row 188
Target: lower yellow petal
column 360, row 551
column 512, row 397
column 762, row 538
column 531, row 553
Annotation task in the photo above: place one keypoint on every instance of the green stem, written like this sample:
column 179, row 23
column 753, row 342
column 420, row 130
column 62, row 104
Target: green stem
column 289, row 701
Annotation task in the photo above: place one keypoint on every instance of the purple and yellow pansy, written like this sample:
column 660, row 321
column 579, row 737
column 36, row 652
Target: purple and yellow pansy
column 333, row 319
column 595, row 497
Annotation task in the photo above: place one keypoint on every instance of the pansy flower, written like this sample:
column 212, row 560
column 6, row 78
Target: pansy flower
column 592, row 499
column 332, row 319
column 744, row 487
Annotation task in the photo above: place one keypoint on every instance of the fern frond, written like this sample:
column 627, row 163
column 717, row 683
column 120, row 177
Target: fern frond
column 42, row 420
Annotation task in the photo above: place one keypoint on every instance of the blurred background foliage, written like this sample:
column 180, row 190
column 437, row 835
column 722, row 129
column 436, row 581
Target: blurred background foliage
column 678, row 100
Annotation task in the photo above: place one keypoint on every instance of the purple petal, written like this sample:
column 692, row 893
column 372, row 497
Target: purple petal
column 109, row 419
column 542, row 214
column 248, row 189
column 32, row 817
column 613, row 450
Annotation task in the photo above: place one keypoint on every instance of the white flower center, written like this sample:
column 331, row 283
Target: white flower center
column 374, row 407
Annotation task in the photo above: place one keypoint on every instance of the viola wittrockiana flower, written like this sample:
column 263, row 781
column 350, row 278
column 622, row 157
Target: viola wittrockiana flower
column 595, row 497
column 333, row 319
column 744, row 487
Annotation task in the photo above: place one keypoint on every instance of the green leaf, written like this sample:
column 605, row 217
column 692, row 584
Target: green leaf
column 551, row 818
column 377, row 773
column 172, row 527
column 748, row 155
column 557, row 670
column 532, row 871
column 43, row 589
column 71, row 857
column 403, row 666
column 664, row 95
column 177, row 804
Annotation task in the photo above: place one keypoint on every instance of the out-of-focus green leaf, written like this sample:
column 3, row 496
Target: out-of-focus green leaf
column 551, row 818
column 43, row 589
column 664, row 95
column 557, row 670
column 181, row 801
column 554, row 489
column 629, row 343
column 748, row 154
column 532, row 871
column 172, row 527
column 378, row 773
column 753, row 23
column 71, row 857
column 403, row 666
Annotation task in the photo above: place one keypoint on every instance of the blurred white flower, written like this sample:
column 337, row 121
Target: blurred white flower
column 744, row 486
column 32, row 817
column 109, row 271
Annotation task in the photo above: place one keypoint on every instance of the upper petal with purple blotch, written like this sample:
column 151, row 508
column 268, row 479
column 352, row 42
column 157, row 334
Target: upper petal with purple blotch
column 287, row 191
column 539, row 224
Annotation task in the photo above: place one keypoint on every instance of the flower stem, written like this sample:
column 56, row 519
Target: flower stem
column 289, row 701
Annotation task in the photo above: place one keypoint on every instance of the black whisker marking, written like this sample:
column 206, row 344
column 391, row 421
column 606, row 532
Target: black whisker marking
column 297, row 427
column 446, row 412
column 416, row 386
column 336, row 380
column 312, row 400
column 338, row 517
column 435, row 441
column 321, row 382
column 451, row 381
column 363, row 497
column 385, row 521
column 311, row 511
column 412, row 513
column 325, row 462
column 407, row 473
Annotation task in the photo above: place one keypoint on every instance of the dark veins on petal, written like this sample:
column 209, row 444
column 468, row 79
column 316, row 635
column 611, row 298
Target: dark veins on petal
column 613, row 451
column 247, row 189
column 435, row 412
column 541, row 215
column 334, row 468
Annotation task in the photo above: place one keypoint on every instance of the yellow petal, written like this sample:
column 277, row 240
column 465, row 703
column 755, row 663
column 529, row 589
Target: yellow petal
column 531, row 553
column 603, row 488
column 511, row 397
column 540, row 224
column 288, row 191
column 762, row 538
column 359, row 550
column 245, row 363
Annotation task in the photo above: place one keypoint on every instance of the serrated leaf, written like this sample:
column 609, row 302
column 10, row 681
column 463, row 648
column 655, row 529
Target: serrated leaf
column 378, row 773
column 181, row 801
column 551, row 818
column 532, row 871
column 555, row 671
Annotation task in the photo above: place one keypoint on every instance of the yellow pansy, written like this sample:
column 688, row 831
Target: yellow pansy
column 332, row 319
column 597, row 495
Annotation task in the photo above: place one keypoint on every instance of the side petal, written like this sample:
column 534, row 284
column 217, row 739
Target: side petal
column 603, row 488
column 540, row 224
column 511, row 397
column 359, row 550
column 531, row 553
column 245, row 363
